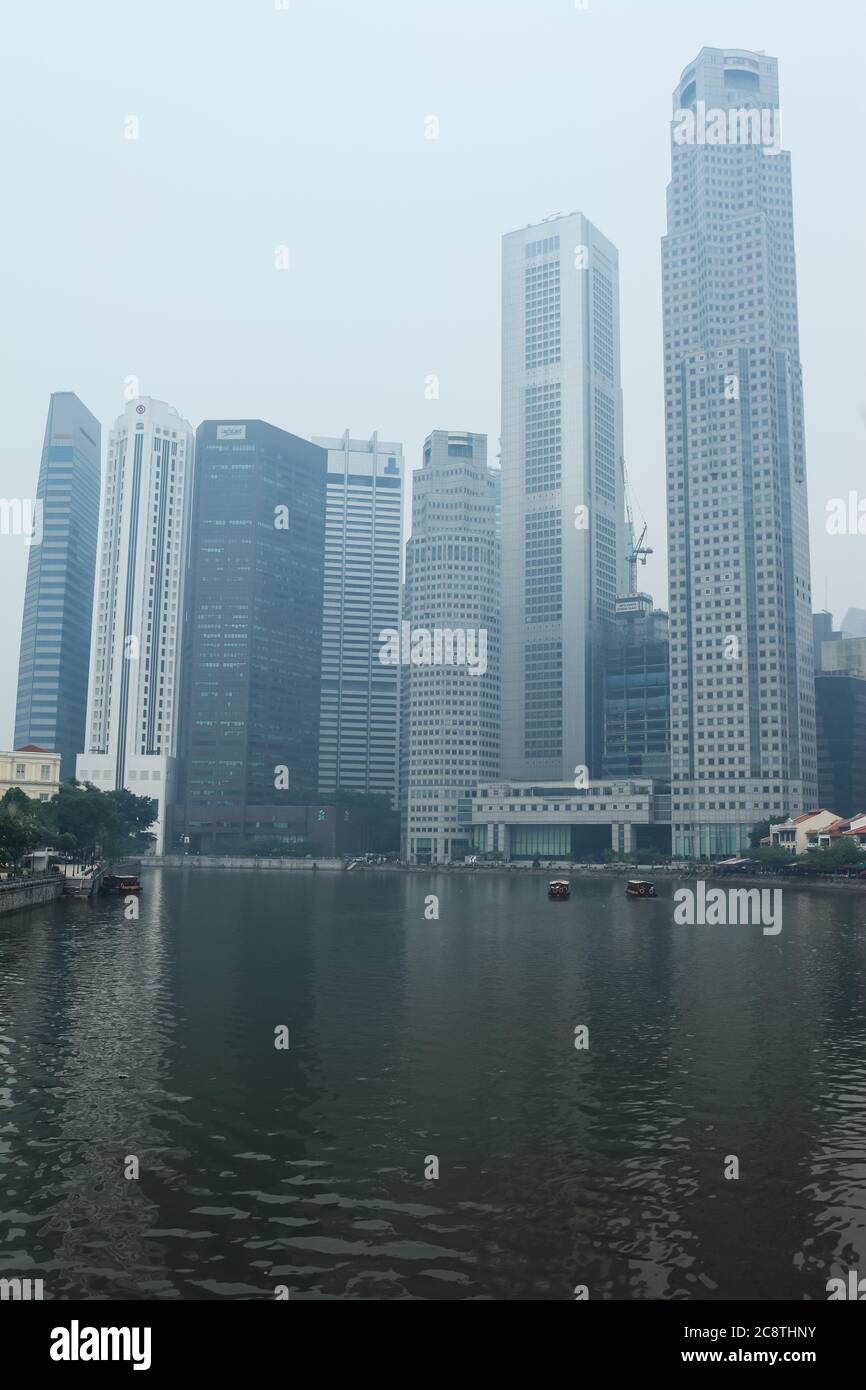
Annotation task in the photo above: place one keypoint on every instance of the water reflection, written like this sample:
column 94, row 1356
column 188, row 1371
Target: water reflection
column 413, row 1038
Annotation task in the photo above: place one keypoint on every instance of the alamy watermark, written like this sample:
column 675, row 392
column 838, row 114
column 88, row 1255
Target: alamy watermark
column 735, row 125
column 852, row 1288
column 729, row 907
column 846, row 516
column 21, row 516
column 21, row 1290
column 437, row 646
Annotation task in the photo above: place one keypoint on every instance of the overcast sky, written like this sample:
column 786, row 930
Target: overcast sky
column 305, row 127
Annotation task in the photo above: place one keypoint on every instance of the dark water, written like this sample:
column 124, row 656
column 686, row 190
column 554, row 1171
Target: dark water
column 410, row 1038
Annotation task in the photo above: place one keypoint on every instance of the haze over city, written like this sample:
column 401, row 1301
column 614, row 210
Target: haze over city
column 305, row 127
column 433, row 802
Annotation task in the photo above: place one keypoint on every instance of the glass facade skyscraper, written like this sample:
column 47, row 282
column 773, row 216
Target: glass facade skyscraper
column 252, row 662
column 637, row 693
column 742, row 682
column 51, row 707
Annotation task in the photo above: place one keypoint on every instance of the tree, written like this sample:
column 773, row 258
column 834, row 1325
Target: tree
column 774, row 856
column 87, row 821
column 21, row 828
column 82, row 813
column 840, row 852
column 130, row 819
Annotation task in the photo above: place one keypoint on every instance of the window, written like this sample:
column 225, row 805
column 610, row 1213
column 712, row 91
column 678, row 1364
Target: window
column 45, row 772
column 20, row 770
column 542, row 437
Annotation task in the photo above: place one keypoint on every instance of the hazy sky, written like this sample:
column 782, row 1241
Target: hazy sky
column 305, row 127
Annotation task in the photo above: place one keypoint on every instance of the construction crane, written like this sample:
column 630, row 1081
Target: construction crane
column 638, row 551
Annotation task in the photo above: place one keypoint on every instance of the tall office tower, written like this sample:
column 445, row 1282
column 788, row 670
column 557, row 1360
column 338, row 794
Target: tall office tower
column 562, row 496
column 449, row 646
column 58, row 603
column 252, row 659
column 132, row 704
column 358, row 739
column 742, row 678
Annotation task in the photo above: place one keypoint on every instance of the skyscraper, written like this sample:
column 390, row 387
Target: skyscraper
column 742, row 681
column 358, row 738
column 252, row 659
column 562, row 497
column 58, row 602
column 132, row 702
column 449, row 646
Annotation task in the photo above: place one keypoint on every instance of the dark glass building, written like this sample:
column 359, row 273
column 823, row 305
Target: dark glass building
column 637, row 692
column 251, row 678
column 53, row 664
column 840, row 700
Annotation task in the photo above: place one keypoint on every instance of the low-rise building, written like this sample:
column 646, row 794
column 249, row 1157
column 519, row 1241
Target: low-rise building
column 557, row 820
column 813, row 830
column 32, row 769
column 857, row 829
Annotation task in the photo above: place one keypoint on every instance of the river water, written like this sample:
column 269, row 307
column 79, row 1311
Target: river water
column 414, row 1042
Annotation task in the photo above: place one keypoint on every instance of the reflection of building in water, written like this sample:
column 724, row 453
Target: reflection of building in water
column 111, row 1029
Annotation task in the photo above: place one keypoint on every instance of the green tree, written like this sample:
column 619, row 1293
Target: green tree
column 88, row 822
column 82, row 812
column 21, row 828
column 840, row 853
column 773, row 856
column 130, row 818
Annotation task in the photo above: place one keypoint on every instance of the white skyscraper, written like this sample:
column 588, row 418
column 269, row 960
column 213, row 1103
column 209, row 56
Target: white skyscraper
column 359, row 727
column 562, row 498
column 743, row 738
column 138, row 610
column 450, row 644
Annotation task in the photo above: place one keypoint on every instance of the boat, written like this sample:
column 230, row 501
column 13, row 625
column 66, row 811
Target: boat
column 559, row 888
column 640, row 888
column 122, row 883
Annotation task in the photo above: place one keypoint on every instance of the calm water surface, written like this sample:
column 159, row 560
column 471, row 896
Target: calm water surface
column 411, row 1038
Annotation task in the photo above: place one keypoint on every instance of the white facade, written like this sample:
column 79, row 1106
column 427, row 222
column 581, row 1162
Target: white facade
column 812, row 830
column 743, row 734
column 32, row 770
column 451, row 714
column 133, row 695
column 562, row 496
column 359, row 728
column 537, row 822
